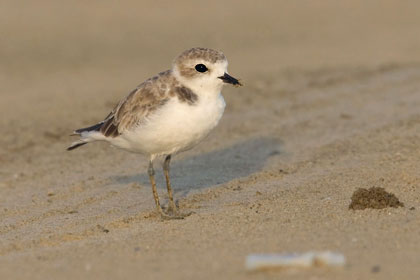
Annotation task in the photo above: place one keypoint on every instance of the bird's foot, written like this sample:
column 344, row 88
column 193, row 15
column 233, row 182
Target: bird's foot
column 172, row 213
column 175, row 216
column 172, row 209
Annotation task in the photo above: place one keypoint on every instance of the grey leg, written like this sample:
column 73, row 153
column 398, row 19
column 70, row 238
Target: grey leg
column 151, row 172
column 164, row 216
column 172, row 206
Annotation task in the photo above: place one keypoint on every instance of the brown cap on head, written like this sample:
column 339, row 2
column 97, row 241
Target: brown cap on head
column 187, row 60
column 205, row 54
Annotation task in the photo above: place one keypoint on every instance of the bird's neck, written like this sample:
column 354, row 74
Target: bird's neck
column 202, row 90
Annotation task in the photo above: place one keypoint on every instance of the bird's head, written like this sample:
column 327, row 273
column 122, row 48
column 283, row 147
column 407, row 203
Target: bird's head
column 203, row 69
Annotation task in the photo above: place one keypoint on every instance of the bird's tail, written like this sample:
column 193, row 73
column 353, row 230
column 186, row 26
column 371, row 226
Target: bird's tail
column 85, row 135
column 76, row 144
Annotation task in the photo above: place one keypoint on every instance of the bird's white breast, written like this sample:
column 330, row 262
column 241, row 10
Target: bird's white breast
column 175, row 127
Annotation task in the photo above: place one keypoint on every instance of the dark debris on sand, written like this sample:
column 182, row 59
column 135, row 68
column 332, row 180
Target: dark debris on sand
column 375, row 198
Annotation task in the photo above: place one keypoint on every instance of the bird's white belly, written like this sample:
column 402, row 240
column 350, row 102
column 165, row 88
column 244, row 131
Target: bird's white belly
column 176, row 127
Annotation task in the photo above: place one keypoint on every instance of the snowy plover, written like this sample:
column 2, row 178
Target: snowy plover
column 167, row 114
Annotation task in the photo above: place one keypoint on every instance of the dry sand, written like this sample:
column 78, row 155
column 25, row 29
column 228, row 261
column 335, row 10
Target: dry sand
column 330, row 104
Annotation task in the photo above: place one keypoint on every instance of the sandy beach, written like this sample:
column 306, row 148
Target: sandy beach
column 330, row 104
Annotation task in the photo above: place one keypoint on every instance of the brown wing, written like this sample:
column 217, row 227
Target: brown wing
column 139, row 104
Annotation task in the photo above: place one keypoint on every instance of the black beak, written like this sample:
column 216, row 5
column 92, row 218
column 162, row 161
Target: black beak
column 226, row 78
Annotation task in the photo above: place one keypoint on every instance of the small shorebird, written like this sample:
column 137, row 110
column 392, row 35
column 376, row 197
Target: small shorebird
column 167, row 114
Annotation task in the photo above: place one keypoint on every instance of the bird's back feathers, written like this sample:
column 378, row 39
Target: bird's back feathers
column 137, row 107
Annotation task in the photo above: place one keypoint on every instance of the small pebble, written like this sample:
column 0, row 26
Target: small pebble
column 375, row 269
column 308, row 259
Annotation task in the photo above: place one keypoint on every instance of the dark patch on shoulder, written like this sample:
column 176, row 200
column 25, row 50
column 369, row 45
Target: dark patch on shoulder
column 186, row 95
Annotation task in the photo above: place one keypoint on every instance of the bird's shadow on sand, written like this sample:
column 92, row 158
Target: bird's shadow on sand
column 213, row 168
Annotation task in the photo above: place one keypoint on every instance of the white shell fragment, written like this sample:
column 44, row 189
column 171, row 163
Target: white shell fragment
column 304, row 260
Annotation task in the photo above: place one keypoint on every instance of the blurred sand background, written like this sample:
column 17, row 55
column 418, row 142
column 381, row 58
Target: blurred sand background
column 330, row 104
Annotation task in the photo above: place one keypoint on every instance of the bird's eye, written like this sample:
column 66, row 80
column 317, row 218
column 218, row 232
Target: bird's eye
column 201, row 68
